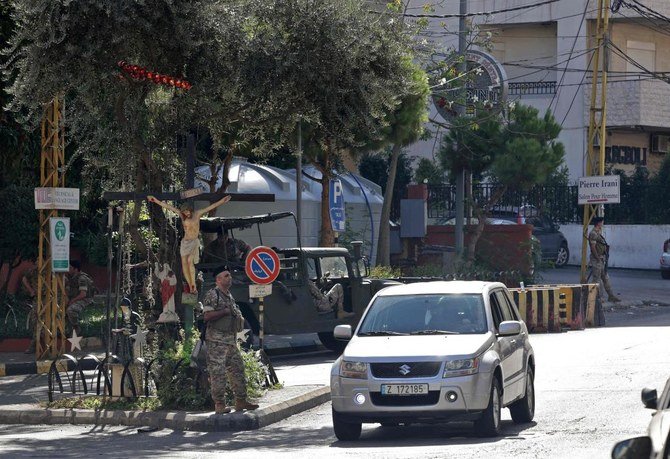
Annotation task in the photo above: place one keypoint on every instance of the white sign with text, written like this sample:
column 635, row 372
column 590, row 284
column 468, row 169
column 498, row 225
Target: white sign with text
column 57, row 198
column 600, row 189
column 260, row 290
column 59, row 238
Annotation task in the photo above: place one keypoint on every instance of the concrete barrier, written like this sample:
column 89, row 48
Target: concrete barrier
column 578, row 305
column 539, row 308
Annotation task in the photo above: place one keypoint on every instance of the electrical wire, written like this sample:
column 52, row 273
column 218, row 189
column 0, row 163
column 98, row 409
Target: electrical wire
column 481, row 13
column 574, row 43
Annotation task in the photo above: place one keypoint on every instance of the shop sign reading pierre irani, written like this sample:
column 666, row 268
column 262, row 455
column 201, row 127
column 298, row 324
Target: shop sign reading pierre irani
column 599, row 189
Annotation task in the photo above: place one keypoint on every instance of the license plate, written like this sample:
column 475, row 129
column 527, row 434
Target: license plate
column 404, row 389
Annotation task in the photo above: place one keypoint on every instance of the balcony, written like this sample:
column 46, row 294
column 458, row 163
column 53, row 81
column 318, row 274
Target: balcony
column 531, row 88
column 636, row 103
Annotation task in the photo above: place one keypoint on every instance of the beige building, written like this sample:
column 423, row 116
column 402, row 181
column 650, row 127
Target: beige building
column 546, row 51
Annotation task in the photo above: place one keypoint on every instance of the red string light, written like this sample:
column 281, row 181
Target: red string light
column 140, row 73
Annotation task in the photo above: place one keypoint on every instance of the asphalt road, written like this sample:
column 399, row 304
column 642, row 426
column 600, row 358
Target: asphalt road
column 588, row 387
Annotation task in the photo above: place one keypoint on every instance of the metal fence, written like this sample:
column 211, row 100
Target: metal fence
column 640, row 204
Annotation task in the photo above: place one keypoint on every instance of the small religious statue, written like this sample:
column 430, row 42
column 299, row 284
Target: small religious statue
column 190, row 244
column 168, row 288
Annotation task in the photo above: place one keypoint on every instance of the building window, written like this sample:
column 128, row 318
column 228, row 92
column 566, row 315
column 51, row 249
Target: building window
column 642, row 52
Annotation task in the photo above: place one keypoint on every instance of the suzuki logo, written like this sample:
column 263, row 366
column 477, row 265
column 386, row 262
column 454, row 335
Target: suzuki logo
column 405, row 369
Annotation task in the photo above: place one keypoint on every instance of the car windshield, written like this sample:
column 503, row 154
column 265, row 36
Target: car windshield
column 425, row 314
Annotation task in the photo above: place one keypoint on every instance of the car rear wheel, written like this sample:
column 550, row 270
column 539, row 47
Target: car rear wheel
column 524, row 410
column 345, row 431
column 489, row 424
column 563, row 256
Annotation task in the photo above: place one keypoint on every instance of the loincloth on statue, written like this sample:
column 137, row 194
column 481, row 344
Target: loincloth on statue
column 190, row 247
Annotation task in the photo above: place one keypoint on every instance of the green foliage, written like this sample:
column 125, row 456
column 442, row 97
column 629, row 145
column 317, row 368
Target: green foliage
column 428, row 172
column 518, row 154
column 384, row 272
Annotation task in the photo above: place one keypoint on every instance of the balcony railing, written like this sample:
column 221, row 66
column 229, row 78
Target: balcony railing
column 532, row 88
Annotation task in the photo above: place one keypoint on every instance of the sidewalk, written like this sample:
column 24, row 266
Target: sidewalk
column 23, row 391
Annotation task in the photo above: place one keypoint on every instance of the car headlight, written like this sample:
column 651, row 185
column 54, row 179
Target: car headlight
column 357, row 370
column 461, row 367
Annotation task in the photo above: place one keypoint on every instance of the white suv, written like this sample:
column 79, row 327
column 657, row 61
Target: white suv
column 434, row 352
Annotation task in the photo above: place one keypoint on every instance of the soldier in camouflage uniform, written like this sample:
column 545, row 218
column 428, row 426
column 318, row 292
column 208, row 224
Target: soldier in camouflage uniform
column 224, row 320
column 598, row 258
column 80, row 291
column 226, row 248
column 29, row 282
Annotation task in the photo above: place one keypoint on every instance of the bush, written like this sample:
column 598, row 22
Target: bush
column 384, row 272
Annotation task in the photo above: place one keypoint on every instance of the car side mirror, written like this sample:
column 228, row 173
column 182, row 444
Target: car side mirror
column 650, row 398
column 632, row 448
column 509, row 328
column 342, row 332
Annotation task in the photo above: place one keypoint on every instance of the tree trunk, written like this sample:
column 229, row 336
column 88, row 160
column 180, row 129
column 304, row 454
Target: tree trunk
column 383, row 242
column 327, row 234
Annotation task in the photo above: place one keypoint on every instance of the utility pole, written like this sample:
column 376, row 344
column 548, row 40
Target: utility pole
column 595, row 142
column 460, row 107
column 298, row 183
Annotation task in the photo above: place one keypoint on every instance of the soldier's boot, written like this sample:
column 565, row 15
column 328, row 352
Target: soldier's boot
column 221, row 408
column 242, row 404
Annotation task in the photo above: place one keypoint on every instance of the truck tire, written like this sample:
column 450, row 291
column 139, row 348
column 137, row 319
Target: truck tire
column 330, row 343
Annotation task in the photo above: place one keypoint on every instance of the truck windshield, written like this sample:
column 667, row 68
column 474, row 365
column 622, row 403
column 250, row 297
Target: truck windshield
column 334, row 267
column 426, row 314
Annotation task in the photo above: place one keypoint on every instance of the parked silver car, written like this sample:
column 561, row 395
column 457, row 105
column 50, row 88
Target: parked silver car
column 657, row 442
column 434, row 352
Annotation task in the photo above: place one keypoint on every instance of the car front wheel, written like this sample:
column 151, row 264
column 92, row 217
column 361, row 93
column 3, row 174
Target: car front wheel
column 345, row 431
column 524, row 410
column 563, row 256
column 489, row 424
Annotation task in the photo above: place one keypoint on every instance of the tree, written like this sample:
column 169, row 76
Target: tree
column 121, row 125
column 376, row 166
column 337, row 68
column 517, row 153
column 428, row 172
column 405, row 126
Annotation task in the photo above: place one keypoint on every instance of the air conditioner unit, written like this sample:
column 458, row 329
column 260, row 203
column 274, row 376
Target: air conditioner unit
column 659, row 143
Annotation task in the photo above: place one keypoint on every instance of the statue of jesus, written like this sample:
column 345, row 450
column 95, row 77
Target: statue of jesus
column 189, row 248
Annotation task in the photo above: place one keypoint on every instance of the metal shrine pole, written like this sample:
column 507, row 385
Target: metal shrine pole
column 50, row 326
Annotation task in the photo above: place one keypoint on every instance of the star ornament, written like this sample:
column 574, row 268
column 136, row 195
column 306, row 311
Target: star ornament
column 75, row 341
column 140, row 337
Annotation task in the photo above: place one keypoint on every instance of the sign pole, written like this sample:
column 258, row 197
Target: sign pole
column 261, row 313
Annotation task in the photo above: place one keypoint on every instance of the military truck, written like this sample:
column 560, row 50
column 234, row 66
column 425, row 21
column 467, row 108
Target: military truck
column 290, row 308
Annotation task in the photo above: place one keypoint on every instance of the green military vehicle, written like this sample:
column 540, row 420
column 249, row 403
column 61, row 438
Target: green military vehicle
column 290, row 308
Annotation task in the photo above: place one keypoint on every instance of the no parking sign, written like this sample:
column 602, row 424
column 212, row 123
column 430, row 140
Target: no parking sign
column 262, row 265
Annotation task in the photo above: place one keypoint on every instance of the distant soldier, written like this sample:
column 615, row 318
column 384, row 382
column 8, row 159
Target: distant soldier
column 80, row 291
column 29, row 283
column 224, row 361
column 599, row 258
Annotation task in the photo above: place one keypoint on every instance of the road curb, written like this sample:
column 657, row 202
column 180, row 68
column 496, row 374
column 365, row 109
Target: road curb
column 175, row 420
